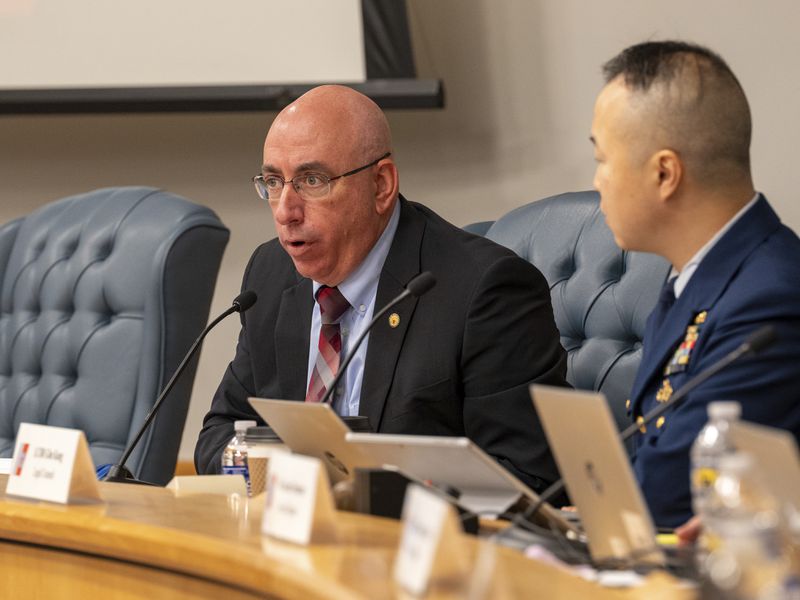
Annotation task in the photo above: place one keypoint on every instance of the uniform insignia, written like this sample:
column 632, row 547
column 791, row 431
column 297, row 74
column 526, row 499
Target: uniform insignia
column 394, row 320
column 660, row 422
column 665, row 393
column 680, row 360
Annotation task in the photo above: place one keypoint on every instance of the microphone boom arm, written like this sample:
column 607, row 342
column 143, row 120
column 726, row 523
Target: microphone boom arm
column 119, row 473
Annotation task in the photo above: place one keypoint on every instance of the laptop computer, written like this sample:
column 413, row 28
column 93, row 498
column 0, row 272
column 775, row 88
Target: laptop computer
column 776, row 454
column 584, row 439
column 314, row 429
column 483, row 486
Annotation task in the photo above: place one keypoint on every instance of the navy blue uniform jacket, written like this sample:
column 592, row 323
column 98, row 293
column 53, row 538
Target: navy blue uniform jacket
column 749, row 278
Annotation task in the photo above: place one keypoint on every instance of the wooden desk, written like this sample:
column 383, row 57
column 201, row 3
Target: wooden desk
column 146, row 543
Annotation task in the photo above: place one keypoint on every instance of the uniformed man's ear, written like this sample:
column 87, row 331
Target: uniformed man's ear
column 669, row 171
column 387, row 185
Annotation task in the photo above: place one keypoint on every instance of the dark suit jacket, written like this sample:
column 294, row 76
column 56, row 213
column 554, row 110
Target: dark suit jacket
column 750, row 277
column 459, row 363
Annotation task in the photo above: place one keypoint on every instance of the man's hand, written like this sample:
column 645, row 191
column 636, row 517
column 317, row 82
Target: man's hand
column 689, row 531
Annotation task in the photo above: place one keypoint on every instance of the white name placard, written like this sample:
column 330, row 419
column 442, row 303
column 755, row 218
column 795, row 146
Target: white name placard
column 430, row 546
column 53, row 464
column 298, row 504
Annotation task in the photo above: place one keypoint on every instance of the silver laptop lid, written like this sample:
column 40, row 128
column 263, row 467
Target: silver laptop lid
column 484, row 486
column 314, row 429
column 776, row 454
column 584, row 440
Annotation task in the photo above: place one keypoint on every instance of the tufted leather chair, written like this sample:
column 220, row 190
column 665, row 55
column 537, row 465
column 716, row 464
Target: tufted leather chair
column 100, row 296
column 601, row 295
column 479, row 228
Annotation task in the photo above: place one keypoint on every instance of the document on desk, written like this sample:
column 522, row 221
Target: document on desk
column 5, row 466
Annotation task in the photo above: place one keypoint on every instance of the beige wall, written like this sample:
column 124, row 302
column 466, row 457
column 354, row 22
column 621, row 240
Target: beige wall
column 520, row 76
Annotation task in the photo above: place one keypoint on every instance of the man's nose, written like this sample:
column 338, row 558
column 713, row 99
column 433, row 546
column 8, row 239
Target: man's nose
column 288, row 207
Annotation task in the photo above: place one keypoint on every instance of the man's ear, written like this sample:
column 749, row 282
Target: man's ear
column 387, row 185
column 668, row 171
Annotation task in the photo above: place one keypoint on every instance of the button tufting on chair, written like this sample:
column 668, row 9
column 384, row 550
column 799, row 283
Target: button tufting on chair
column 601, row 295
column 100, row 296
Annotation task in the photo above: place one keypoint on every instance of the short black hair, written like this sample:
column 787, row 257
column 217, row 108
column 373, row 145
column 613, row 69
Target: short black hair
column 702, row 108
column 643, row 64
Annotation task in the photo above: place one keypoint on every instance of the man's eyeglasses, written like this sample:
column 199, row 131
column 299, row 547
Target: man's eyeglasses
column 308, row 185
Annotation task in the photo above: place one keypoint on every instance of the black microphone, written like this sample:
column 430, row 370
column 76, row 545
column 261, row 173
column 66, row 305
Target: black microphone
column 119, row 473
column 416, row 287
column 756, row 342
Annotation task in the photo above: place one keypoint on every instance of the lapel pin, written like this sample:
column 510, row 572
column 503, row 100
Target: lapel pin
column 394, row 320
column 665, row 393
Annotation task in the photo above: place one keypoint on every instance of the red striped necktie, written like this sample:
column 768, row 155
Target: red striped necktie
column 332, row 305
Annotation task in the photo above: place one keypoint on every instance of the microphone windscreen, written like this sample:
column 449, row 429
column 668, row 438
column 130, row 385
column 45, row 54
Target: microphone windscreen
column 244, row 300
column 421, row 283
column 763, row 337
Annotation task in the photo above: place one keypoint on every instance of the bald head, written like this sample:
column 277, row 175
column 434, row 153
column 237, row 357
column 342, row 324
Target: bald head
column 685, row 98
column 334, row 145
column 342, row 119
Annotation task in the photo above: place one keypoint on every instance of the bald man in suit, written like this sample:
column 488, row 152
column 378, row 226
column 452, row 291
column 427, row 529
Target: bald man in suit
column 457, row 361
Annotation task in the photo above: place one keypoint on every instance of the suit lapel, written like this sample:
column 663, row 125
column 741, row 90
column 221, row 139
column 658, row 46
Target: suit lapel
column 385, row 342
column 292, row 332
column 706, row 285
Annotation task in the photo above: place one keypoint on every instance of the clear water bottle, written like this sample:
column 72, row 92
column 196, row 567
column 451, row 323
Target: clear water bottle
column 234, row 456
column 711, row 444
column 748, row 555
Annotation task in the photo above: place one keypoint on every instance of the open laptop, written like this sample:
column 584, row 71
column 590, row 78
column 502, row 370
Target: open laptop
column 776, row 455
column 483, row 486
column 584, row 440
column 314, row 429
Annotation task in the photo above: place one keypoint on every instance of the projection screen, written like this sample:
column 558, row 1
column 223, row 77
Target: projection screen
column 106, row 55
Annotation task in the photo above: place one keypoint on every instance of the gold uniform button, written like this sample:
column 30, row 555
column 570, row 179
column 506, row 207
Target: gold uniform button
column 628, row 404
column 660, row 422
column 640, row 423
column 394, row 320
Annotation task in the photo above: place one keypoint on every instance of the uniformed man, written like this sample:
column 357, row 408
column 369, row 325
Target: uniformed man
column 671, row 134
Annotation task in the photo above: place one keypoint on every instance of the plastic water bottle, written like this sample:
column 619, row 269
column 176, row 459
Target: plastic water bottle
column 749, row 555
column 234, row 457
column 711, row 444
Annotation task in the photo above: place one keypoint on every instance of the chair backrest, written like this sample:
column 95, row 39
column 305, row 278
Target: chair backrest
column 100, row 296
column 479, row 228
column 601, row 295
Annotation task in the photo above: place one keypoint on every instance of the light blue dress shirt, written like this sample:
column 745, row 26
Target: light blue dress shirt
column 360, row 289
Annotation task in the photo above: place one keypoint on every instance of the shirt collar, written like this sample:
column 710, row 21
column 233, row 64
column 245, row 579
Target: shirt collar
column 682, row 278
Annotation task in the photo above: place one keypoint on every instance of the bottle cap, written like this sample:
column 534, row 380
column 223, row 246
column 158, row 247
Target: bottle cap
column 724, row 410
column 243, row 425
